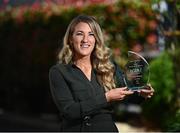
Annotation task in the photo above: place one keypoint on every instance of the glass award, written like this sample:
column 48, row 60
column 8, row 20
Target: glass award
column 137, row 73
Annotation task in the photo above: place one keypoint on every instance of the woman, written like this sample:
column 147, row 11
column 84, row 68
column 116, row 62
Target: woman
column 83, row 82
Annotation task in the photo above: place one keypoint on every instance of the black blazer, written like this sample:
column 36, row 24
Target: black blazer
column 76, row 97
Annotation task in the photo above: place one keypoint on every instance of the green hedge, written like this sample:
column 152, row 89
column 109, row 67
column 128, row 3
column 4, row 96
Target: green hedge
column 125, row 23
column 173, row 125
column 160, row 109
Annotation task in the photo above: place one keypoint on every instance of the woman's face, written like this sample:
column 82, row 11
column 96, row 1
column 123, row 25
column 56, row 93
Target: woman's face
column 83, row 40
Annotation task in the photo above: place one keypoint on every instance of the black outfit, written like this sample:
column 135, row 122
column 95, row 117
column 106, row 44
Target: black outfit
column 81, row 102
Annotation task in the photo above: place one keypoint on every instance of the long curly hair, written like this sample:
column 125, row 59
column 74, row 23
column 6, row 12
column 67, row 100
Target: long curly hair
column 100, row 56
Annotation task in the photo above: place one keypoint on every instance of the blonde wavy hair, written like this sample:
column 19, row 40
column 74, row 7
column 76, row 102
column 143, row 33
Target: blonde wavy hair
column 100, row 56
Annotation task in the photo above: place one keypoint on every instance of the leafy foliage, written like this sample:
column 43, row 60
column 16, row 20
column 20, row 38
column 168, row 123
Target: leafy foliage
column 125, row 23
column 174, row 124
column 160, row 108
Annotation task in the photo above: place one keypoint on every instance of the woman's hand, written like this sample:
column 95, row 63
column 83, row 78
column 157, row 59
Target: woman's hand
column 117, row 94
column 147, row 92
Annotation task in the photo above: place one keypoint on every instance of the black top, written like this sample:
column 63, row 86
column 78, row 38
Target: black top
column 78, row 98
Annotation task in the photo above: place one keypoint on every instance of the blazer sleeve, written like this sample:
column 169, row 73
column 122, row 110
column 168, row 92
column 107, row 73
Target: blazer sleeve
column 70, row 108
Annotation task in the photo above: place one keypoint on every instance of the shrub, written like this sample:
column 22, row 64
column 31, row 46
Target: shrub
column 159, row 108
column 174, row 123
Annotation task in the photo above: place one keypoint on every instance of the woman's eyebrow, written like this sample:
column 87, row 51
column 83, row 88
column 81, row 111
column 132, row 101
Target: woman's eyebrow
column 83, row 31
column 79, row 31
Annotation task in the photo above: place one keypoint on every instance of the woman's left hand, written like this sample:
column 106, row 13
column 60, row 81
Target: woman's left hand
column 147, row 92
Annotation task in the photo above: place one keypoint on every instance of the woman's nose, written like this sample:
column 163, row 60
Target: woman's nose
column 85, row 38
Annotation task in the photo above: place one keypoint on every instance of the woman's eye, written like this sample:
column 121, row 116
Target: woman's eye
column 79, row 34
column 91, row 34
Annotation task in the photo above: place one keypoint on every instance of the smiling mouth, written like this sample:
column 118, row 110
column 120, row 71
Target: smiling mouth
column 85, row 45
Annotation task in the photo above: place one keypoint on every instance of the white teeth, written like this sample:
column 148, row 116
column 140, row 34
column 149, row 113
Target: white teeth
column 85, row 45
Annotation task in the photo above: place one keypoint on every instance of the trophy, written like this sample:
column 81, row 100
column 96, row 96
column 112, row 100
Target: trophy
column 137, row 73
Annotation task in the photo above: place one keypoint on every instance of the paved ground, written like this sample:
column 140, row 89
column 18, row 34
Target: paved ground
column 125, row 127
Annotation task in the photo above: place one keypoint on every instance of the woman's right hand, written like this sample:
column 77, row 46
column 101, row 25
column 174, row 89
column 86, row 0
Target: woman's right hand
column 117, row 94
